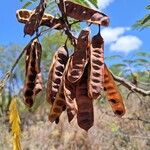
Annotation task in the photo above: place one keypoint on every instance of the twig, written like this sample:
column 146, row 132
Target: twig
column 67, row 25
column 138, row 119
column 130, row 86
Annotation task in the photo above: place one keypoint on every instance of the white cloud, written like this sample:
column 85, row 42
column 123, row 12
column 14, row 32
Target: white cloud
column 112, row 34
column 102, row 4
column 126, row 44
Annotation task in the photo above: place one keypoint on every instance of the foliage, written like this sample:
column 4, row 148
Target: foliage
column 51, row 3
column 136, row 67
column 144, row 22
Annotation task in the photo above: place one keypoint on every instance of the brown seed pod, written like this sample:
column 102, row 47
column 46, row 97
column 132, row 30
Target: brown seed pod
column 85, row 115
column 48, row 20
column 30, row 74
column 27, row 57
column 70, row 94
column 112, row 93
column 35, row 19
column 96, row 67
column 38, row 80
column 79, row 59
column 58, row 105
column 33, row 82
column 55, row 73
column 82, row 13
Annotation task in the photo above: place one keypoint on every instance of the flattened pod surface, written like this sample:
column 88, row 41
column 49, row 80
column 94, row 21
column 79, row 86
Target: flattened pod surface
column 96, row 67
column 58, row 105
column 55, row 73
column 69, row 92
column 38, row 80
column 80, row 12
column 112, row 93
column 27, row 57
column 30, row 76
column 79, row 58
column 35, row 19
column 85, row 115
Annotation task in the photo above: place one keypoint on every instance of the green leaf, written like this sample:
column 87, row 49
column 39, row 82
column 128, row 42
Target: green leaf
column 113, row 57
column 87, row 2
column 128, row 61
column 139, row 65
column 143, row 54
column 148, row 7
column 142, row 60
column 27, row 4
column 94, row 2
column 143, row 23
column 120, row 65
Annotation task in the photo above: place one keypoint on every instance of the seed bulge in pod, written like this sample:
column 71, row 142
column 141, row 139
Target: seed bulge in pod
column 112, row 93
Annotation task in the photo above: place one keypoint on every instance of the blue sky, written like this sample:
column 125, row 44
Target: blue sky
column 119, row 37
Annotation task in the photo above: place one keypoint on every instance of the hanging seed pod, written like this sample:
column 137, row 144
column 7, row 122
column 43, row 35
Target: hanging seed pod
column 35, row 19
column 112, row 93
column 85, row 115
column 23, row 16
column 55, row 73
column 96, row 67
column 58, row 105
column 82, row 13
column 70, row 94
column 33, row 83
column 27, row 57
column 79, row 58
column 38, row 80
column 30, row 74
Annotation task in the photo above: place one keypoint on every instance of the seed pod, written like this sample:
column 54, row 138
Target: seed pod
column 85, row 115
column 69, row 92
column 55, row 73
column 30, row 75
column 38, row 80
column 82, row 13
column 96, row 67
column 35, row 19
column 79, row 58
column 23, row 16
column 112, row 93
column 58, row 105
column 27, row 57
column 33, row 83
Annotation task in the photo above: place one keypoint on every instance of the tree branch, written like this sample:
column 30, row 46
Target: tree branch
column 130, row 86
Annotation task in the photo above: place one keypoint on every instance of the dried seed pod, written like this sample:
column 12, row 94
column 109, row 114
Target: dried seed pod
column 23, row 16
column 33, row 83
column 35, row 19
column 112, row 93
column 85, row 115
column 30, row 75
column 82, row 13
column 58, row 105
column 70, row 94
column 38, row 80
column 79, row 58
column 55, row 73
column 27, row 57
column 96, row 67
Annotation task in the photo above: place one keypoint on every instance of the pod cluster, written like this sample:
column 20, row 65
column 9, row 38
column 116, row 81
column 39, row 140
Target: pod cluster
column 74, row 81
column 82, row 77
